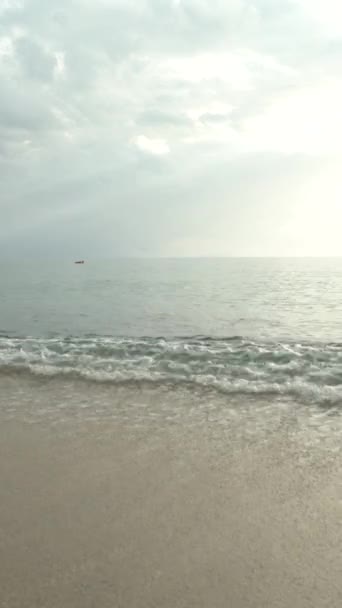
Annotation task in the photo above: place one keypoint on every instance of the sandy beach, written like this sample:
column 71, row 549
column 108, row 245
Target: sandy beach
column 98, row 513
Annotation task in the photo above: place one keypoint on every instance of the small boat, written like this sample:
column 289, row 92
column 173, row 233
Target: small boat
column 79, row 262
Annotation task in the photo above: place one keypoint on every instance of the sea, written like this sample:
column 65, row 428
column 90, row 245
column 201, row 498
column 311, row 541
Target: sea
column 171, row 430
column 172, row 336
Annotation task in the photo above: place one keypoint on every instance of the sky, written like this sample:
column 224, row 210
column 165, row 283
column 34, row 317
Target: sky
column 170, row 128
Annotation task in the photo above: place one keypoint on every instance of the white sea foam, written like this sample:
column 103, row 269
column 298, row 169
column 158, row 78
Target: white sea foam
column 309, row 372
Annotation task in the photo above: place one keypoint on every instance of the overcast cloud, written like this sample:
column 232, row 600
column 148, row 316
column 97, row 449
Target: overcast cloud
column 170, row 127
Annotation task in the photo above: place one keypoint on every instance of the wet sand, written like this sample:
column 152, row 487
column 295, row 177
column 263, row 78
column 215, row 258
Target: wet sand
column 93, row 514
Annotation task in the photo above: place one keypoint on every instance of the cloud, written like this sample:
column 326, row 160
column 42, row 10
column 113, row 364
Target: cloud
column 34, row 60
column 158, row 118
column 152, row 146
column 161, row 127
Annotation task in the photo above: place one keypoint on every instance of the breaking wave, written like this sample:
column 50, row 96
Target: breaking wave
column 308, row 372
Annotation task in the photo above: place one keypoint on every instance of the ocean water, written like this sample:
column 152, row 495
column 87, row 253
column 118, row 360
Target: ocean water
column 239, row 328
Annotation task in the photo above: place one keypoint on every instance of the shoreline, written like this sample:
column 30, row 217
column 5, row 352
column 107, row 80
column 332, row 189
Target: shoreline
column 180, row 515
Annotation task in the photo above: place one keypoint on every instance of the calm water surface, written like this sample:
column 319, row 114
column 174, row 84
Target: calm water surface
column 296, row 299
